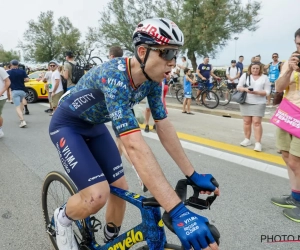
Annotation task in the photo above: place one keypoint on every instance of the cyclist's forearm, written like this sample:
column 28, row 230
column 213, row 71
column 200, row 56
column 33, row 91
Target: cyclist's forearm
column 168, row 137
column 150, row 171
column 283, row 81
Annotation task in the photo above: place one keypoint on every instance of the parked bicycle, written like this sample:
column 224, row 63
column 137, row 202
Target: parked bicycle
column 207, row 97
column 224, row 94
column 174, row 85
column 89, row 62
column 151, row 229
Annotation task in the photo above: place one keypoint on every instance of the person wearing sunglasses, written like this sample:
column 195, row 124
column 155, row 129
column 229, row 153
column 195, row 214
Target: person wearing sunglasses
column 90, row 156
column 274, row 71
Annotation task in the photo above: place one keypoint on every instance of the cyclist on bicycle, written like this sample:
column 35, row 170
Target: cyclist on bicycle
column 90, row 156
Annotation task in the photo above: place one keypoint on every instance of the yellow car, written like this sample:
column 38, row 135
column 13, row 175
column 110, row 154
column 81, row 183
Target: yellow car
column 36, row 88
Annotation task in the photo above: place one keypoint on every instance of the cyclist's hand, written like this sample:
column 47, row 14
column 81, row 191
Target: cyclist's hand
column 206, row 182
column 191, row 229
column 203, row 78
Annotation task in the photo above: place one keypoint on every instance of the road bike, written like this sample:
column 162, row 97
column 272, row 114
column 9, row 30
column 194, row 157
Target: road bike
column 151, row 229
column 207, row 96
column 87, row 62
column 174, row 85
column 224, row 94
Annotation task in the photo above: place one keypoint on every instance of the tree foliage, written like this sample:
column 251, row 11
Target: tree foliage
column 207, row 24
column 119, row 19
column 7, row 56
column 44, row 41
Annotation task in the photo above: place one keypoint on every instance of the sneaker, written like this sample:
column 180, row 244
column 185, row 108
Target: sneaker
column 27, row 112
column 1, row 133
column 65, row 239
column 286, row 201
column 154, row 126
column 257, row 147
column 292, row 214
column 147, row 129
column 22, row 124
column 47, row 110
column 246, row 142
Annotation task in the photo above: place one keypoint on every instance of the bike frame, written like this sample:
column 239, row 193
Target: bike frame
column 150, row 230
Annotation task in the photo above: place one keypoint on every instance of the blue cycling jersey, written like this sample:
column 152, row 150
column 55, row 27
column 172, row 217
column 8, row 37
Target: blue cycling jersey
column 107, row 93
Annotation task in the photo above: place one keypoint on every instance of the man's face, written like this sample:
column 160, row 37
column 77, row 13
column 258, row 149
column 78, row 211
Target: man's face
column 257, row 59
column 297, row 42
column 157, row 67
column 275, row 57
column 241, row 59
column 53, row 66
column 206, row 60
column 233, row 65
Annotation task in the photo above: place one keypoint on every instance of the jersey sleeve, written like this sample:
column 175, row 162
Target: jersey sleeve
column 116, row 95
column 155, row 103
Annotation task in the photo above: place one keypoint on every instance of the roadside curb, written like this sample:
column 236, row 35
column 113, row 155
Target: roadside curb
column 218, row 112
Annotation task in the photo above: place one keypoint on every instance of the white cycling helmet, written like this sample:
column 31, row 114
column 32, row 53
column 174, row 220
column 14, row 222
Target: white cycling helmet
column 157, row 31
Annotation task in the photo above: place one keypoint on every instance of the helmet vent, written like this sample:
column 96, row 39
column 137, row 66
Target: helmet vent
column 165, row 34
column 165, row 23
column 174, row 33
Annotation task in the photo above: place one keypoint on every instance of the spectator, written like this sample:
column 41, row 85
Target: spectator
column 257, row 88
column 204, row 73
column 258, row 60
column 288, row 143
column 274, row 71
column 17, row 78
column 240, row 64
column 233, row 74
column 4, row 85
column 49, row 88
column 67, row 74
column 115, row 51
column 57, row 86
column 182, row 67
column 187, row 87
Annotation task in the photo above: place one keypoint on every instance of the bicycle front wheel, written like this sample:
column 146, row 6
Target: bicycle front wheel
column 209, row 99
column 57, row 188
column 180, row 95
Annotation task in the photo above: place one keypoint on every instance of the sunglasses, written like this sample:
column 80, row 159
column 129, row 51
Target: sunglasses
column 167, row 54
column 52, row 65
column 274, row 56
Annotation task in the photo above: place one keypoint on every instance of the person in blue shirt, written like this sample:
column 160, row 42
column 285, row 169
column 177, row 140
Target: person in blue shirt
column 240, row 64
column 89, row 155
column 204, row 73
column 274, row 72
column 17, row 78
column 187, row 87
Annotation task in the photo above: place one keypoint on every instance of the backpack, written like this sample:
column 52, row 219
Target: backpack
column 64, row 83
column 77, row 72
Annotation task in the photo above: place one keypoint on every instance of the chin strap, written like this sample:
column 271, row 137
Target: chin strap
column 143, row 64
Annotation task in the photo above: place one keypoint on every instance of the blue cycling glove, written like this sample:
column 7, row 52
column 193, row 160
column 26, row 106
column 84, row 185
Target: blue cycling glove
column 203, row 181
column 190, row 228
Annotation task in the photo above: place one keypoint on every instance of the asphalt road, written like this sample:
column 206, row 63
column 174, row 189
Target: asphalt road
column 243, row 212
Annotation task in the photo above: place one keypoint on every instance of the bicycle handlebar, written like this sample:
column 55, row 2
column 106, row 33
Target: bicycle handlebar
column 193, row 201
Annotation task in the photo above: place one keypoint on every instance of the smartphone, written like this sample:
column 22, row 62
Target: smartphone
column 251, row 89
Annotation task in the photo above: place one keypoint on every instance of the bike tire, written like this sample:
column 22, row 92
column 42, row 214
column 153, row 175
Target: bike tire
column 180, row 95
column 96, row 60
column 167, row 247
column 71, row 188
column 222, row 93
column 211, row 96
column 172, row 90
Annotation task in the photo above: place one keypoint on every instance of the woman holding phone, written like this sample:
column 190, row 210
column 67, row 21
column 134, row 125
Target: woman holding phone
column 257, row 86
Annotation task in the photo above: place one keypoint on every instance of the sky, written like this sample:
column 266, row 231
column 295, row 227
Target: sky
column 280, row 20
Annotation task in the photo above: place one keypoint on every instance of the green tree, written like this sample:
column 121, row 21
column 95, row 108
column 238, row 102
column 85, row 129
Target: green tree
column 119, row 19
column 43, row 41
column 7, row 56
column 209, row 24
